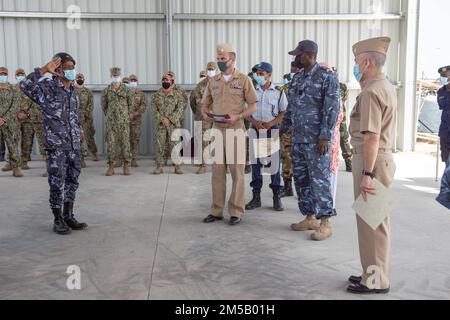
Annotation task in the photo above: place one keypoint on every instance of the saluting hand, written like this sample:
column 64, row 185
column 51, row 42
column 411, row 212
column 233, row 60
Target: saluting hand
column 366, row 187
column 51, row 67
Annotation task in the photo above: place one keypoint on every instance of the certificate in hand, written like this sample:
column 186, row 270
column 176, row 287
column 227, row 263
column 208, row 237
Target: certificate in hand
column 218, row 118
column 377, row 207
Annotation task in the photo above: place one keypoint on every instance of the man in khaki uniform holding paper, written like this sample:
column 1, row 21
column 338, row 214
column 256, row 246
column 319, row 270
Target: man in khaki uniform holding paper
column 372, row 133
column 226, row 94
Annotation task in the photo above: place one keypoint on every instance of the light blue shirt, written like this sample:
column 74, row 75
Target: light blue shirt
column 270, row 103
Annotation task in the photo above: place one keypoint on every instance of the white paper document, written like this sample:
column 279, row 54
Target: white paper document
column 377, row 207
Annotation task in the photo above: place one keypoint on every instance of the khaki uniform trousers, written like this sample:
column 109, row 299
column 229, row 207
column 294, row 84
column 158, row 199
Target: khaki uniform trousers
column 236, row 202
column 374, row 245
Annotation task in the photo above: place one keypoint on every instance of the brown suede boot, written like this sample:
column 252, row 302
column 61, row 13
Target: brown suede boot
column 310, row 223
column 17, row 172
column 178, row 169
column 7, row 167
column 325, row 231
column 110, row 171
column 202, row 169
column 126, row 169
column 24, row 165
column 158, row 169
column 94, row 157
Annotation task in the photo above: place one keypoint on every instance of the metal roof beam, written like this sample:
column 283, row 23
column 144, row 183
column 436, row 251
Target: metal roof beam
column 291, row 17
column 64, row 15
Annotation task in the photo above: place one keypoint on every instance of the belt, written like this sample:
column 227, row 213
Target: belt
column 380, row 150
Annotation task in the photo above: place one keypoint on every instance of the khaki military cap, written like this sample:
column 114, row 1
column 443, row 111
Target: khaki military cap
column 380, row 45
column 171, row 74
column 4, row 69
column 133, row 77
column 115, row 70
column 20, row 71
column 225, row 48
column 126, row 80
column 211, row 65
column 80, row 76
column 167, row 76
column 203, row 74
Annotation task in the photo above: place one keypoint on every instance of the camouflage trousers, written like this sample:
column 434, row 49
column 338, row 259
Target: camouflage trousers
column 164, row 144
column 89, row 140
column 135, row 139
column 286, row 158
column 63, row 167
column 345, row 145
column 29, row 131
column 118, row 142
column 312, row 176
column 11, row 136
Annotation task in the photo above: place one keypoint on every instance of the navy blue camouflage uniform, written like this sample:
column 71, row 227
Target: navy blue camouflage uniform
column 444, row 134
column 62, row 134
column 312, row 114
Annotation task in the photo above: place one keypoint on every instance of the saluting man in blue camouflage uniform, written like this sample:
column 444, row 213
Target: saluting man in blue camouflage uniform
column 57, row 97
column 312, row 114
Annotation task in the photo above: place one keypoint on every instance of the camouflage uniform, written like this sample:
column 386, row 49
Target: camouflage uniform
column 31, row 126
column 345, row 145
column 62, row 134
column 312, row 114
column 117, row 105
column 85, row 110
column 9, row 107
column 171, row 106
column 138, row 109
column 196, row 107
column 286, row 147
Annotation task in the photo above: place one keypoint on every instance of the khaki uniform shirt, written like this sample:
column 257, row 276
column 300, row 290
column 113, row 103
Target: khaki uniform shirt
column 374, row 112
column 229, row 97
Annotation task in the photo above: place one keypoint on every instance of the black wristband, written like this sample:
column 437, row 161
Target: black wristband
column 368, row 174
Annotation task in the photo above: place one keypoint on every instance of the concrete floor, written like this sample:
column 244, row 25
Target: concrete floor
column 146, row 241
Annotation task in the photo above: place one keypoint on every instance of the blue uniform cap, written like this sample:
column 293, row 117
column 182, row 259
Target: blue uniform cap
column 265, row 66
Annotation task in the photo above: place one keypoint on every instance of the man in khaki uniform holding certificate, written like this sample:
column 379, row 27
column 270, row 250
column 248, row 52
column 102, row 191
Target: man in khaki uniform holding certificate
column 226, row 94
column 372, row 127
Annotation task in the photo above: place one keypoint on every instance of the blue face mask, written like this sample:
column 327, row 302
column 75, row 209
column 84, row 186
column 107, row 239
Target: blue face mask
column 444, row 81
column 285, row 81
column 115, row 79
column 70, row 74
column 3, row 79
column 357, row 73
column 126, row 84
column 132, row 84
column 20, row 78
column 260, row 79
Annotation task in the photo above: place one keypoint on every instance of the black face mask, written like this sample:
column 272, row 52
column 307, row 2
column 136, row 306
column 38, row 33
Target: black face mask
column 166, row 85
column 80, row 82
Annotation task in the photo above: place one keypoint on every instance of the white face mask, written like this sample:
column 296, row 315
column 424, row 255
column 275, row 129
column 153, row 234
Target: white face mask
column 227, row 78
column 211, row 73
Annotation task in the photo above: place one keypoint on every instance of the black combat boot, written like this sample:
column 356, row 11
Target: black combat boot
column 277, row 205
column 70, row 219
column 255, row 202
column 287, row 189
column 348, row 165
column 60, row 226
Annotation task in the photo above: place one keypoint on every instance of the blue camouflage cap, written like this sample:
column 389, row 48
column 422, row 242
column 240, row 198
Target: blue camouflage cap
column 264, row 66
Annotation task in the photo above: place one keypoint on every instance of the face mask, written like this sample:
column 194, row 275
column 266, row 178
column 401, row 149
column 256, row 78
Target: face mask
column 357, row 72
column 20, row 78
column 444, row 81
column 285, row 81
column 80, row 82
column 3, row 79
column 223, row 65
column 115, row 79
column 166, row 85
column 70, row 74
column 211, row 73
column 126, row 84
column 261, row 80
column 132, row 84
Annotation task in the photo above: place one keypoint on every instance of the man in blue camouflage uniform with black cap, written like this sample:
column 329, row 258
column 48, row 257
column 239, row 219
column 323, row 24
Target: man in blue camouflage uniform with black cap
column 57, row 97
column 444, row 134
column 312, row 114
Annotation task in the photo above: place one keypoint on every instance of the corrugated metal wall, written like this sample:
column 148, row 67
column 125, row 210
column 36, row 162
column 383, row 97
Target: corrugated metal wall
column 139, row 44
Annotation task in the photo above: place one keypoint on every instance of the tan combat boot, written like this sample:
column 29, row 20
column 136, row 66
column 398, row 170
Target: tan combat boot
column 126, row 169
column 110, row 171
column 24, row 165
column 178, row 169
column 324, row 232
column 134, row 163
column 310, row 223
column 17, row 173
column 202, row 169
column 94, row 157
column 7, row 167
column 158, row 169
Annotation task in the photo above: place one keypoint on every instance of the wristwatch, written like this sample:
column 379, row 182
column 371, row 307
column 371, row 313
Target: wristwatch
column 368, row 174
column 241, row 116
